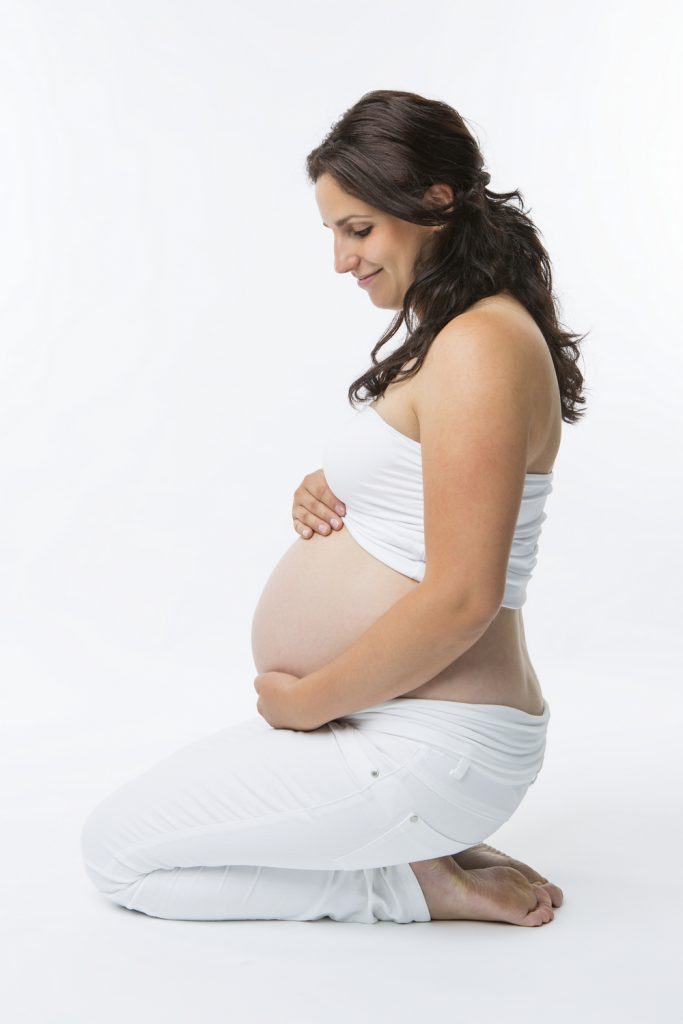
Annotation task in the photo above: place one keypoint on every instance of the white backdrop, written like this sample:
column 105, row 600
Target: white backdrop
column 174, row 345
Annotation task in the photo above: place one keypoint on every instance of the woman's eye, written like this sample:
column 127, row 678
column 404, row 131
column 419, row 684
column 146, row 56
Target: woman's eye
column 362, row 234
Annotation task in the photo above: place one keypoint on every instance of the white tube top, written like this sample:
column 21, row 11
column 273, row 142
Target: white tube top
column 377, row 472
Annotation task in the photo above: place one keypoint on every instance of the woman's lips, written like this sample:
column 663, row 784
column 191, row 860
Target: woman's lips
column 365, row 281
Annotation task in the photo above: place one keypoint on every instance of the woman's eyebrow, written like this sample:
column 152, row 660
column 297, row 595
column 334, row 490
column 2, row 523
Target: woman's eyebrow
column 340, row 223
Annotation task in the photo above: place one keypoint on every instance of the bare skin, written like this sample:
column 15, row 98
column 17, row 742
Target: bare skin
column 484, row 884
column 498, row 893
column 481, row 882
column 484, row 856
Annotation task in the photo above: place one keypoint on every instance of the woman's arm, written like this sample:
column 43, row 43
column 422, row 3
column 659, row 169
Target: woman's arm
column 411, row 643
column 474, row 403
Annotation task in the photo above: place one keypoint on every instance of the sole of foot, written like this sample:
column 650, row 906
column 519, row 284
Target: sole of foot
column 484, row 856
column 499, row 894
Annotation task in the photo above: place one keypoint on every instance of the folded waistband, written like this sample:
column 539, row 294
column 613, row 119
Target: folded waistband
column 458, row 708
column 497, row 737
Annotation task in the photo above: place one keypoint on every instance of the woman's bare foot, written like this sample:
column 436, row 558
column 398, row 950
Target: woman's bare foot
column 484, row 856
column 481, row 894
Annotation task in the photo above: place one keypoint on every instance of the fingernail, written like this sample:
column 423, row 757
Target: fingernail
column 335, row 522
column 340, row 509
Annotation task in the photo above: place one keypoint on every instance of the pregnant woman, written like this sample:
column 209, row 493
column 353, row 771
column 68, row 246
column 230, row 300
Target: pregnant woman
column 401, row 721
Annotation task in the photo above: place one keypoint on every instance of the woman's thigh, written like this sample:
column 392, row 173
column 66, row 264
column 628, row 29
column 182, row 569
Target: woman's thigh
column 253, row 795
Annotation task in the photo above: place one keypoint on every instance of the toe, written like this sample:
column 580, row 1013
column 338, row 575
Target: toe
column 542, row 895
column 554, row 892
column 538, row 916
column 543, row 911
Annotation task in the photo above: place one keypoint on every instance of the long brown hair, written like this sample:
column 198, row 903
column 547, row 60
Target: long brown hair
column 386, row 150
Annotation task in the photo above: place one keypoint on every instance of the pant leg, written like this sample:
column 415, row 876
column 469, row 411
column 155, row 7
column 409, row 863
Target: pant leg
column 252, row 822
column 255, row 823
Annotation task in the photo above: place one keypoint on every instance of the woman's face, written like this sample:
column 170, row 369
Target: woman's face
column 371, row 240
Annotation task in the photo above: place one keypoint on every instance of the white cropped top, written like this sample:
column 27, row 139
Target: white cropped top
column 377, row 472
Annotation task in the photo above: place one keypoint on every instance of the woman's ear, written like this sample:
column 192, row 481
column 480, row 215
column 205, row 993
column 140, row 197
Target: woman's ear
column 439, row 197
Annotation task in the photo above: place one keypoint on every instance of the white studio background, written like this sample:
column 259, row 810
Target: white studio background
column 174, row 346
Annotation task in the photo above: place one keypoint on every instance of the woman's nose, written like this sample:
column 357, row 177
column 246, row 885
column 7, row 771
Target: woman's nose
column 344, row 259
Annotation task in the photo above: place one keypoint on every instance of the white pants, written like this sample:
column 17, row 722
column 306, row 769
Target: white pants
column 253, row 823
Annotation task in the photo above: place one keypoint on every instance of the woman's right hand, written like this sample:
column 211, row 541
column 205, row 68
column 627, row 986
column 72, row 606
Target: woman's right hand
column 315, row 507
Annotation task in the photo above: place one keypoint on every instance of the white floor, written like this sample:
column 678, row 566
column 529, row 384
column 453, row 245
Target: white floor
column 603, row 827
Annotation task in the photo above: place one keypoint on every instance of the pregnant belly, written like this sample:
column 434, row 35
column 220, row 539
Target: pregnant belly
column 322, row 594
column 326, row 591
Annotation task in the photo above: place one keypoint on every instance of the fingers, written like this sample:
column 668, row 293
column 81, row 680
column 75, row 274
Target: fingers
column 317, row 518
column 316, row 507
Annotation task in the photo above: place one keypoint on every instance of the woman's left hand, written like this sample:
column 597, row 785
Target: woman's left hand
column 276, row 690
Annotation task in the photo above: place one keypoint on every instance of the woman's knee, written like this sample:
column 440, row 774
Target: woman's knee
column 104, row 836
